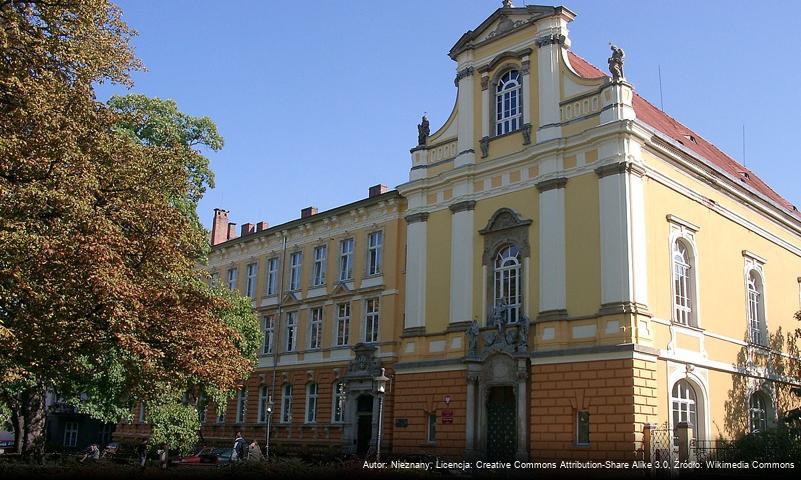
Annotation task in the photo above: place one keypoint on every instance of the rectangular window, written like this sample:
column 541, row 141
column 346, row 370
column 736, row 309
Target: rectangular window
column 202, row 405
column 268, row 324
column 272, row 274
column 318, row 275
column 141, row 413
column 431, row 431
column 295, row 264
column 375, row 242
column 371, row 307
column 339, row 403
column 220, row 413
column 346, row 259
column 582, row 427
column 291, row 331
column 316, row 328
column 232, row 278
column 264, row 400
column 71, row 434
column 311, row 403
column 286, row 404
column 241, row 400
column 250, row 285
column 343, row 323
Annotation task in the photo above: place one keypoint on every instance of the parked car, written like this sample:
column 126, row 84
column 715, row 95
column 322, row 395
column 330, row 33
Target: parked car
column 207, row 457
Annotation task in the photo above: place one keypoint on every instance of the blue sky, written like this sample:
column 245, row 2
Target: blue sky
column 318, row 100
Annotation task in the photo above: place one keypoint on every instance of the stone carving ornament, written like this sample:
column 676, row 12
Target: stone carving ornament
column 423, row 131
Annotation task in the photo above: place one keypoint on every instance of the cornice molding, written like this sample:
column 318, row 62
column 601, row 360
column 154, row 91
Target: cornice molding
column 465, row 205
column 619, row 167
column 552, row 184
column 416, row 217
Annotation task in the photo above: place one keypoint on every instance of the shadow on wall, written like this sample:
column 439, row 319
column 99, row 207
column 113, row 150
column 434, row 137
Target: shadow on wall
column 773, row 369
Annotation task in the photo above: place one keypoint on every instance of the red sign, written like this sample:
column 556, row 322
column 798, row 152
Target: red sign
column 447, row 416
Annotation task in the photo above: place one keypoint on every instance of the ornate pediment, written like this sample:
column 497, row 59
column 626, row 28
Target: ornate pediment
column 365, row 364
column 341, row 289
column 504, row 219
column 290, row 298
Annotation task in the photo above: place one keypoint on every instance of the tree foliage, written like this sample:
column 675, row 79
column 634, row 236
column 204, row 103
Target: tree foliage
column 101, row 299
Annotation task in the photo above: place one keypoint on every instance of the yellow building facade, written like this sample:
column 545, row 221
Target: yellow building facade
column 566, row 266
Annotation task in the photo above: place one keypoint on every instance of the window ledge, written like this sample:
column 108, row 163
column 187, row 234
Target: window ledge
column 688, row 327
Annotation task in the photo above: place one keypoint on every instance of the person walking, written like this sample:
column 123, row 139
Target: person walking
column 141, row 451
column 254, row 452
column 163, row 455
column 240, row 447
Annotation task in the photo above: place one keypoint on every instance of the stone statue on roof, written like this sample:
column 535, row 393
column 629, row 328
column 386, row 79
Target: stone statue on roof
column 616, row 63
column 423, row 131
column 507, row 3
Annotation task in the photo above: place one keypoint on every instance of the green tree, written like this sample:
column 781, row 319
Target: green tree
column 101, row 299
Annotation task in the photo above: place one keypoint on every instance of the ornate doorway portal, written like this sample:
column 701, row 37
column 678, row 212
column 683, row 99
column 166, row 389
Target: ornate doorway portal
column 364, row 432
column 501, row 423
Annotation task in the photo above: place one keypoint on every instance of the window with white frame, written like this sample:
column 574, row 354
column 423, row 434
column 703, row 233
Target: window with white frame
column 375, row 244
column 311, row 403
column 371, row 308
column 221, row 413
column 508, row 103
column 684, row 404
column 343, row 323
column 268, row 325
column 346, row 259
column 250, row 284
column 272, row 276
column 316, row 328
column 758, row 412
column 264, row 398
column 70, row 434
column 291, row 331
column 508, row 291
column 318, row 271
column 683, row 283
column 141, row 413
column 241, row 402
column 756, row 309
column 232, row 278
column 295, row 264
column 286, row 403
column 339, row 397
column 431, row 430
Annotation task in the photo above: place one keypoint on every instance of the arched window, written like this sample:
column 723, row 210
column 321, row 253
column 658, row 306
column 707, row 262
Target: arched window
column 264, row 398
column 684, row 404
column 286, row 403
column 339, row 403
column 758, row 411
column 241, row 402
column 508, row 103
column 311, row 403
column 507, row 281
column 756, row 309
column 683, row 284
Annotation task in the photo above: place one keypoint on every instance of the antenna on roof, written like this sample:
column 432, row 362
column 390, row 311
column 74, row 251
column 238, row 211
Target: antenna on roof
column 661, row 101
column 743, row 144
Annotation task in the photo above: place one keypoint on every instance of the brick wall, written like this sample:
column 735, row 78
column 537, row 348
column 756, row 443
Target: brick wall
column 619, row 394
column 418, row 394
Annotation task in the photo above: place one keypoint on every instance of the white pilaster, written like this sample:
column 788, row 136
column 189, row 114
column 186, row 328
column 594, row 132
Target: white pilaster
column 552, row 245
column 416, row 238
column 462, row 231
column 465, row 128
column 485, row 105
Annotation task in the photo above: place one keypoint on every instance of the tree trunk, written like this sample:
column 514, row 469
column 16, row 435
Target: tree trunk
column 28, row 414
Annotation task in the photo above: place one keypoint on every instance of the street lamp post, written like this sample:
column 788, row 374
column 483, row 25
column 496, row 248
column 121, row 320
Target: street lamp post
column 269, row 425
column 381, row 386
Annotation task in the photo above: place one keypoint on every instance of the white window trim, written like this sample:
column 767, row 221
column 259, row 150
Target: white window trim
column 286, row 403
column 697, row 378
column 754, row 263
column 380, row 249
column 295, row 269
column 241, row 405
column 252, row 272
column 367, row 320
column 338, row 320
column 309, row 407
column 319, row 322
column 679, row 231
column 264, row 397
column 319, row 266
column 268, row 325
column 231, row 280
column 496, row 122
column 271, row 280
column 71, row 433
column 335, row 395
column 346, row 275
column 291, row 347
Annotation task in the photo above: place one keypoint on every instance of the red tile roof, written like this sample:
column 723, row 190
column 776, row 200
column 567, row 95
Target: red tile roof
column 659, row 120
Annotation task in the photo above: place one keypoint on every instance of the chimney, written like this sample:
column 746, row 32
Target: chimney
column 247, row 229
column 262, row 226
column 308, row 212
column 377, row 190
column 219, row 226
column 231, row 230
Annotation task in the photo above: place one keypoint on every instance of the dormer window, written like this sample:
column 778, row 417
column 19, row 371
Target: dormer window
column 508, row 103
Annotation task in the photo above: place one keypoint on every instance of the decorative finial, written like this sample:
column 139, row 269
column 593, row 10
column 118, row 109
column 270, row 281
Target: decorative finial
column 507, row 3
column 616, row 63
column 423, row 131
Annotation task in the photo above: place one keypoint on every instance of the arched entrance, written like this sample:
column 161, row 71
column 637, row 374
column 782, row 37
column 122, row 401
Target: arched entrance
column 364, row 427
